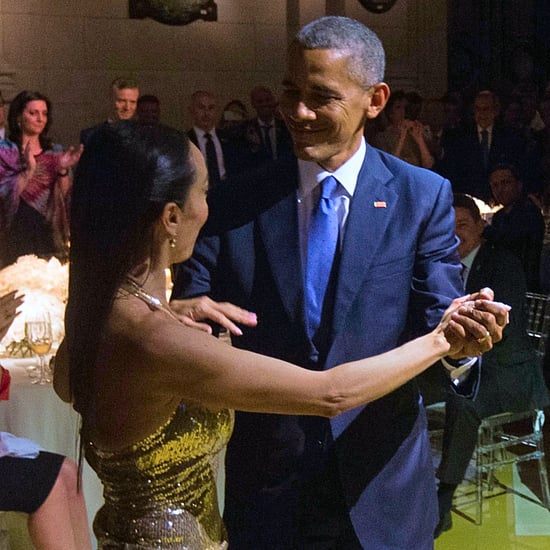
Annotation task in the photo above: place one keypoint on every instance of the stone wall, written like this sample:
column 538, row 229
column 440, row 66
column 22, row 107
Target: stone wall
column 72, row 49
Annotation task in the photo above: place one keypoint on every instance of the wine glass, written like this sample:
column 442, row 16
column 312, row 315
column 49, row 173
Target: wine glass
column 38, row 331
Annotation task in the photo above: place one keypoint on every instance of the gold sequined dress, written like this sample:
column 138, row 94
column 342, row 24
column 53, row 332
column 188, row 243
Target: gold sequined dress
column 160, row 493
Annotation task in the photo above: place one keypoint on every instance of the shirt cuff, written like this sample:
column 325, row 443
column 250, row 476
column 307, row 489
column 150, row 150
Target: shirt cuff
column 458, row 369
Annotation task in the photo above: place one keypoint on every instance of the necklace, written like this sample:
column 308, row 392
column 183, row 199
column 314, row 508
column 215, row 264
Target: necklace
column 152, row 301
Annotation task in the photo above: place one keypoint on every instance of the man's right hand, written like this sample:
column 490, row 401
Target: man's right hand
column 193, row 312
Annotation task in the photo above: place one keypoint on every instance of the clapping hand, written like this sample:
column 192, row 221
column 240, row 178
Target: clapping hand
column 416, row 130
column 8, row 311
column 70, row 157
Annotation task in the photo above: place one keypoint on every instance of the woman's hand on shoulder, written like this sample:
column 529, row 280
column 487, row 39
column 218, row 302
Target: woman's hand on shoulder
column 194, row 312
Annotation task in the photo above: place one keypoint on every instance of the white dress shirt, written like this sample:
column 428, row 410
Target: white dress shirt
column 311, row 175
column 217, row 145
column 489, row 135
column 467, row 263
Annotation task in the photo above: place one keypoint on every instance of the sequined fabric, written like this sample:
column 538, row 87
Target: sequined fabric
column 161, row 492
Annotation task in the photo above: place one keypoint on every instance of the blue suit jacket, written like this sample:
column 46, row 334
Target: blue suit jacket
column 398, row 272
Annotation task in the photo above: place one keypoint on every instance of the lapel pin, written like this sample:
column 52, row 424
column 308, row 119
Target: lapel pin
column 380, row 204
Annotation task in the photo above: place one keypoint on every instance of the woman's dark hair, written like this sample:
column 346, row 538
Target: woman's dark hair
column 398, row 95
column 17, row 106
column 126, row 175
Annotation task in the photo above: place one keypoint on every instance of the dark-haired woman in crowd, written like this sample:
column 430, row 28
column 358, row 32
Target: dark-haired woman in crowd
column 404, row 137
column 155, row 394
column 35, row 183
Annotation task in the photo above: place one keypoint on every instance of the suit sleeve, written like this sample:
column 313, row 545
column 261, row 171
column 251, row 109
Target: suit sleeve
column 436, row 279
column 197, row 276
column 242, row 197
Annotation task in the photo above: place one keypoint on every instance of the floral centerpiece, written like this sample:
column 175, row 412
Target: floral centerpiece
column 45, row 286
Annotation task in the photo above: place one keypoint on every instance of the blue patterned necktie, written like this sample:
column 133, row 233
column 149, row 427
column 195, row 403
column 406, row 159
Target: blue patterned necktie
column 322, row 245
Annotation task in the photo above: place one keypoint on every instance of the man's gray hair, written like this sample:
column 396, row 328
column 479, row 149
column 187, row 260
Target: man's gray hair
column 367, row 58
column 123, row 83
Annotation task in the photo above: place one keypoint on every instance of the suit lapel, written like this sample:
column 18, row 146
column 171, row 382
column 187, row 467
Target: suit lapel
column 370, row 212
column 279, row 232
column 474, row 281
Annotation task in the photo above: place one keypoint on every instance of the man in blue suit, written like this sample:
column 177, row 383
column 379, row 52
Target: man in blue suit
column 364, row 480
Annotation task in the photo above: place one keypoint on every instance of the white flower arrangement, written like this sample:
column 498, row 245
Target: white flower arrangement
column 45, row 286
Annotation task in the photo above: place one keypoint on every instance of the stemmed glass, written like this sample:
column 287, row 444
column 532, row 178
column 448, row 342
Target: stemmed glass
column 38, row 331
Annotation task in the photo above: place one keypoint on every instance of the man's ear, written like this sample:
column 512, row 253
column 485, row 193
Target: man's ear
column 379, row 97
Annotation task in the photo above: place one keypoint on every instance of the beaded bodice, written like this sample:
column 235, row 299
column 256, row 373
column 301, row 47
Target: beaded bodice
column 160, row 493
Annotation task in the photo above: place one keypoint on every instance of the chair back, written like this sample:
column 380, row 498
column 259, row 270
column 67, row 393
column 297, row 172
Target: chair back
column 538, row 319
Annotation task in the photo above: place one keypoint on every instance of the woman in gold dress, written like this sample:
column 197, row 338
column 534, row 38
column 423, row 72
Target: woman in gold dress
column 156, row 394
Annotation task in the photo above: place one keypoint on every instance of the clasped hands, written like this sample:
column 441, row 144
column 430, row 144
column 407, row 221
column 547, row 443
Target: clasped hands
column 471, row 324
column 474, row 323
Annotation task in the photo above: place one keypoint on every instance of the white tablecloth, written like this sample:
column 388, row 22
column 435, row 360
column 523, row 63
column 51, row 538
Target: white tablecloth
column 35, row 412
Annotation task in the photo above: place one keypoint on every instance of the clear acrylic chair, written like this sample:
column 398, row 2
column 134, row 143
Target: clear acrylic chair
column 538, row 320
column 497, row 444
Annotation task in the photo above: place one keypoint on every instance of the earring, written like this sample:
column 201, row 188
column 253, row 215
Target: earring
column 172, row 242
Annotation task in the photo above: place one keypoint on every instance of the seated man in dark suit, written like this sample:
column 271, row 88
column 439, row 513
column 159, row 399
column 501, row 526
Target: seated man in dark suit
column 125, row 93
column 511, row 377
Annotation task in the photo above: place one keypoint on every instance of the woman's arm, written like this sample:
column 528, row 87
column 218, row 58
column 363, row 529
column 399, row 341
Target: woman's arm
column 402, row 130
column 200, row 369
column 417, row 132
column 67, row 160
